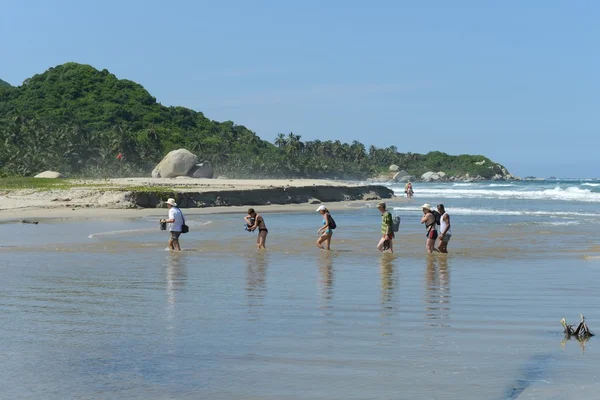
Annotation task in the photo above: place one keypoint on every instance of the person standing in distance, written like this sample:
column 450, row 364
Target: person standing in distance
column 175, row 222
column 445, row 229
column 387, row 231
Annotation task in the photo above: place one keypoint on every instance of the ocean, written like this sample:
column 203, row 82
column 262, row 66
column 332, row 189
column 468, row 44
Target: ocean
column 98, row 309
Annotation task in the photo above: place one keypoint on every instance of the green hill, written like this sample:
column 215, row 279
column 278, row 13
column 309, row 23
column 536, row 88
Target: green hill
column 4, row 83
column 77, row 119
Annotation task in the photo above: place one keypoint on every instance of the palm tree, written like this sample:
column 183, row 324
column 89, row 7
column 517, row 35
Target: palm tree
column 280, row 141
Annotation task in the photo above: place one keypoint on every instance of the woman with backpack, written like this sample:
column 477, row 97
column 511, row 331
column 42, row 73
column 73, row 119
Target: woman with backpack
column 326, row 231
column 431, row 232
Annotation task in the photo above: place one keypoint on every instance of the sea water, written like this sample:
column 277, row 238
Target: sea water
column 98, row 309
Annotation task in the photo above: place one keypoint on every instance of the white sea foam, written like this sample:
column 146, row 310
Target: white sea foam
column 590, row 184
column 572, row 193
column 122, row 232
column 501, row 184
column 462, row 184
column 488, row 211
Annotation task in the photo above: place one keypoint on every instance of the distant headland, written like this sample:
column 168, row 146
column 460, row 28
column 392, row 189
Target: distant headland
column 86, row 122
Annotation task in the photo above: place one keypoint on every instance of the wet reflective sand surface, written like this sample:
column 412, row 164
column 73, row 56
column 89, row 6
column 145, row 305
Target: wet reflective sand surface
column 115, row 316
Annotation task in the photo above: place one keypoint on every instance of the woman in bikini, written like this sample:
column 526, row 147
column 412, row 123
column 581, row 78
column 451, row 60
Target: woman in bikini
column 253, row 221
column 430, row 228
column 325, row 232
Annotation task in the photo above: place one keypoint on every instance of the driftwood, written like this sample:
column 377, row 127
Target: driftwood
column 24, row 221
column 580, row 332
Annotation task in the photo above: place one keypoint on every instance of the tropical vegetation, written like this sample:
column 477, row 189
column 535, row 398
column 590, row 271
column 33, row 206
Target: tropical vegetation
column 84, row 122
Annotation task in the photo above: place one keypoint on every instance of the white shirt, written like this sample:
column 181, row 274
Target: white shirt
column 175, row 213
column 444, row 224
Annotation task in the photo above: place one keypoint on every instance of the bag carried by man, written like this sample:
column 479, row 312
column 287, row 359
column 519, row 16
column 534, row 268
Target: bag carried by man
column 184, row 227
column 395, row 222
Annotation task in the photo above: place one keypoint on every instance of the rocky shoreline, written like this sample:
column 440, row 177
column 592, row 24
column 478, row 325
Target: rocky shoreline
column 395, row 175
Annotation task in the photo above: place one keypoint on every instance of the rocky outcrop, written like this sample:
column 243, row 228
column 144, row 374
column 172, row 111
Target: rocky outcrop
column 258, row 197
column 394, row 168
column 202, row 170
column 50, row 174
column 176, row 163
column 433, row 176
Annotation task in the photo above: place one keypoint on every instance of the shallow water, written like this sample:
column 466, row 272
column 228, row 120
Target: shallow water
column 98, row 309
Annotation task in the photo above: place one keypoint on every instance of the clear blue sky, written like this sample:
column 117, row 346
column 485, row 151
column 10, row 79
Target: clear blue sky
column 518, row 81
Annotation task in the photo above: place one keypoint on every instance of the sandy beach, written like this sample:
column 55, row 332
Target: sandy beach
column 116, row 197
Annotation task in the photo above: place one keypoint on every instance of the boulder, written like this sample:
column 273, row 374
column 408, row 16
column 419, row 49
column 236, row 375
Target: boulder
column 430, row 176
column 202, row 170
column 399, row 175
column 176, row 163
column 50, row 174
column 480, row 162
column 394, row 168
column 406, row 178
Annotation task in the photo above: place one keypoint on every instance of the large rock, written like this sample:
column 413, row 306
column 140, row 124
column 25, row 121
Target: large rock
column 394, row 168
column 202, row 170
column 433, row 176
column 406, row 178
column 176, row 163
column 399, row 175
column 50, row 174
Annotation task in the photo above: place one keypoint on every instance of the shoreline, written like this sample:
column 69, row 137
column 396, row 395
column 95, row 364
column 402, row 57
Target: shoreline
column 142, row 196
column 39, row 213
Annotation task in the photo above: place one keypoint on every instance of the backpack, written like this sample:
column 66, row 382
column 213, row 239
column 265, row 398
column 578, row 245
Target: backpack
column 438, row 217
column 395, row 222
column 331, row 222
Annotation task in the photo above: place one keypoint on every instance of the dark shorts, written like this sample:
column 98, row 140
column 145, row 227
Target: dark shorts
column 432, row 234
column 175, row 235
column 446, row 238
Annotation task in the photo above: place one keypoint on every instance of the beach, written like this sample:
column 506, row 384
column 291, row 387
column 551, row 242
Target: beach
column 93, row 306
column 190, row 193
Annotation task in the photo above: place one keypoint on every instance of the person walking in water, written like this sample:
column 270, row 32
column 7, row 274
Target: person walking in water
column 445, row 229
column 408, row 189
column 387, row 230
column 175, row 221
column 254, row 221
column 430, row 228
column 326, row 231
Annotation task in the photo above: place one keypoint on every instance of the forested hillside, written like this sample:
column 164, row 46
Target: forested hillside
column 85, row 122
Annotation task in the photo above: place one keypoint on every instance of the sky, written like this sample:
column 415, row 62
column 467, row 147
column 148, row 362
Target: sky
column 517, row 81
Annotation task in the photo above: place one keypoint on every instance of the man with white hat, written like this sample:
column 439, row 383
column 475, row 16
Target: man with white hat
column 175, row 222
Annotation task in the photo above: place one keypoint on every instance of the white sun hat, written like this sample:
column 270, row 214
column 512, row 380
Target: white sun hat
column 426, row 206
column 171, row 202
column 321, row 208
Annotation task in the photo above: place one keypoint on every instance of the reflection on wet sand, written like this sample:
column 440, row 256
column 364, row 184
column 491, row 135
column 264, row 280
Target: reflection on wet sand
column 387, row 279
column 325, row 285
column 176, row 275
column 256, row 278
column 388, row 284
column 437, row 289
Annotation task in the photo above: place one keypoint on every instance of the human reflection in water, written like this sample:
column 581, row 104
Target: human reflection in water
column 256, row 278
column 325, row 284
column 437, row 293
column 387, row 279
column 176, row 276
